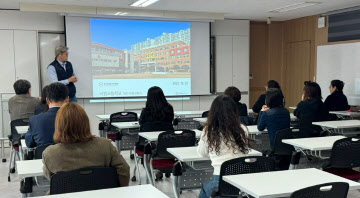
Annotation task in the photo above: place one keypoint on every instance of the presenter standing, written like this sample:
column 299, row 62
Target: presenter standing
column 61, row 70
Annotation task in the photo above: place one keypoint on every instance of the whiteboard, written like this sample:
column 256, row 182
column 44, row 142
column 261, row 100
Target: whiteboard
column 341, row 61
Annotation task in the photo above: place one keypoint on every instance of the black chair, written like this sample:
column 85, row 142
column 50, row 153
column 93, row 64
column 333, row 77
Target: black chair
column 92, row 178
column 112, row 132
column 139, row 147
column 161, row 159
column 328, row 190
column 242, row 165
column 345, row 155
column 205, row 114
column 14, row 139
column 40, row 149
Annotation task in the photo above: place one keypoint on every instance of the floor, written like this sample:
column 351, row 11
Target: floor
column 11, row 189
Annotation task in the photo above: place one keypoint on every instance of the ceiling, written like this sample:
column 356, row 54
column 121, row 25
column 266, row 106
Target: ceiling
column 256, row 10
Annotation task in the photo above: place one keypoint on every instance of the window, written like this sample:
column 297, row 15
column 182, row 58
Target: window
column 173, row 62
column 177, row 45
column 167, row 57
column 185, row 49
column 178, row 51
column 172, row 51
column 172, row 46
column 166, row 52
column 162, row 53
column 186, row 55
column 179, row 62
column 179, row 56
column 172, row 57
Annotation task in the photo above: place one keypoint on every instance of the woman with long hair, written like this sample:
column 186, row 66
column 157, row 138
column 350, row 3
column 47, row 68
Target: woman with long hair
column 157, row 108
column 223, row 138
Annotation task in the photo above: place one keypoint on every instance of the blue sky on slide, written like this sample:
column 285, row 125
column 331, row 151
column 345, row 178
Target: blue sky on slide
column 121, row 34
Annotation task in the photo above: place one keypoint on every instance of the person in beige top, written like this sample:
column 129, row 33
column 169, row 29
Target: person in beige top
column 22, row 105
column 76, row 148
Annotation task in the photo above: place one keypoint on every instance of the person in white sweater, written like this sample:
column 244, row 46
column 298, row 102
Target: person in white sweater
column 223, row 138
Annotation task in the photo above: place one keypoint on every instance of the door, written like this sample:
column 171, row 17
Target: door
column 298, row 56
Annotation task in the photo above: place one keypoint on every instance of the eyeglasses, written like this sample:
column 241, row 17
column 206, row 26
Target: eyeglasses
column 307, row 82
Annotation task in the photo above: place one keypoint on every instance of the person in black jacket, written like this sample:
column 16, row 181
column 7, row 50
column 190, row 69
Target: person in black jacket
column 157, row 109
column 337, row 101
column 235, row 94
column 261, row 101
column 43, row 107
column 311, row 109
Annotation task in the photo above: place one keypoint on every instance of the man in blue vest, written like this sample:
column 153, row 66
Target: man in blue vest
column 61, row 70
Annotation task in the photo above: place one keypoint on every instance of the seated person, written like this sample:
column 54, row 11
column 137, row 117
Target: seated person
column 157, row 109
column 77, row 148
column 235, row 94
column 311, row 109
column 223, row 121
column 42, row 126
column 43, row 106
column 273, row 115
column 22, row 105
column 337, row 101
column 261, row 101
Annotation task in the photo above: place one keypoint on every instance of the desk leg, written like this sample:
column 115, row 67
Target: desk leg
column 175, row 185
column 21, row 153
column 295, row 159
column 147, row 169
column 2, row 151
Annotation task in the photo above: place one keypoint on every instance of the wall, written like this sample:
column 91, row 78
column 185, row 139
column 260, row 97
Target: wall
column 54, row 23
column 278, row 51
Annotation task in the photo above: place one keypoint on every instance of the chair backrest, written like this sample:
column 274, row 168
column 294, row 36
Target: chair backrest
column 345, row 153
column 171, row 139
column 92, row 178
column 242, row 165
column 205, row 114
column 122, row 117
column 40, row 149
column 156, row 126
column 18, row 122
column 281, row 148
column 328, row 190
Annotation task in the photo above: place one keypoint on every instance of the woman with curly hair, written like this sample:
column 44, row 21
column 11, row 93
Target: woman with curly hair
column 223, row 138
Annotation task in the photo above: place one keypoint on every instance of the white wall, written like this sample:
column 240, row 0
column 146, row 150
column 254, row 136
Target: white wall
column 236, row 32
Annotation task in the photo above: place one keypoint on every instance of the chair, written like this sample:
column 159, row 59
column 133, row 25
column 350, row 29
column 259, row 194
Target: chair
column 345, row 155
column 40, row 149
column 92, row 178
column 163, row 160
column 14, row 139
column 139, row 147
column 242, row 165
column 113, row 133
column 328, row 190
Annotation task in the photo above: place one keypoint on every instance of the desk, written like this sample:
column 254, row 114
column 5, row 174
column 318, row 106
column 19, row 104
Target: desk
column 153, row 136
column 142, row 191
column 30, row 168
column 345, row 114
column 312, row 146
column 189, row 113
column 126, row 125
column 338, row 126
column 190, row 155
column 292, row 108
column 22, row 129
column 283, row 183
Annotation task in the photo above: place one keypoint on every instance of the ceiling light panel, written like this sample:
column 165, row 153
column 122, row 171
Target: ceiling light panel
column 294, row 7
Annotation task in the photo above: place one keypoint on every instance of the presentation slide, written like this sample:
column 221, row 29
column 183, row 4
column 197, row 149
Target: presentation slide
column 128, row 57
column 124, row 58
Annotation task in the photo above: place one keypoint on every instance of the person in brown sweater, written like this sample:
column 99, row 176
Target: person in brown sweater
column 76, row 148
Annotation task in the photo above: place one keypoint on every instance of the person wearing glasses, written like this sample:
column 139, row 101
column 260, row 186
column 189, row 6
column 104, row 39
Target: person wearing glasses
column 337, row 101
column 61, row 70
column 311, row 109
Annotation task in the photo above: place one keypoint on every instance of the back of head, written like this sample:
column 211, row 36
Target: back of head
column 312, row 90
column 44, row 95
column 274, row 98
column 72, row 124
column 234, row 93
column 273, row 84
column 223, row 125
column 156, row 98
column 60, row 49
column 338, row 84
column 21, row 86
column 57, row 92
